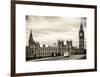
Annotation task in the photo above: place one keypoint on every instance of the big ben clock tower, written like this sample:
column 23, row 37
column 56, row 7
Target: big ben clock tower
column 81, row 37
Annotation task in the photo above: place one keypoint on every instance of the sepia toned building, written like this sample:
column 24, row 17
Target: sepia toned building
column 81, row 37
column 34, row 50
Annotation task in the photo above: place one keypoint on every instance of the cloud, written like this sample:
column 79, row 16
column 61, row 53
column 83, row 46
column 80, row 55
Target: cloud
column 48, row 29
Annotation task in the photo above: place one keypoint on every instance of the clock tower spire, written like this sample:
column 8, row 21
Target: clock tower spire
column 81, row 37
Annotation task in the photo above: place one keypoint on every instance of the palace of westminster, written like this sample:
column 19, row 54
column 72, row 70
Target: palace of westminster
column 34, row 50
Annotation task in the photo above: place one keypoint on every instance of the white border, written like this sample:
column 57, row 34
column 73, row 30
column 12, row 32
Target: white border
column 23, row 66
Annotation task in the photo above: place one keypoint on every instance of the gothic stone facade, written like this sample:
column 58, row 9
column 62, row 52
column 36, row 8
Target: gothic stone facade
column 33, row 50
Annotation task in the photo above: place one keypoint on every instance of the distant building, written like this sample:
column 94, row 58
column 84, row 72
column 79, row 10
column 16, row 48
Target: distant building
column 33, row 50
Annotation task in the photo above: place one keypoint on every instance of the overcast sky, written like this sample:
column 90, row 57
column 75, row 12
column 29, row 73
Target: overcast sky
column 48, row 29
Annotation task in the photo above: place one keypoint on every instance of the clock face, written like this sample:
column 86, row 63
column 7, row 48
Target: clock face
column 81, row 34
